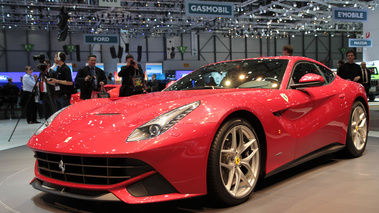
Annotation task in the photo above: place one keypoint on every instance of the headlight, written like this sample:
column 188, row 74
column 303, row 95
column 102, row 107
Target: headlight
column 161, row 123
column 48, row 121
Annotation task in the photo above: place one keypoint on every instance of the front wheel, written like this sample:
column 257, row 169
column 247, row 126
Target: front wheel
column 234, row 163
column 357, row 132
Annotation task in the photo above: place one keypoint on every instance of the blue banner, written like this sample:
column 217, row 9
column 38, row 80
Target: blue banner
column 360, row 42
column 350, row 15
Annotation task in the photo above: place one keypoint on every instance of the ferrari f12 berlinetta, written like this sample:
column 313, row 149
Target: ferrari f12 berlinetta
column 214, row 132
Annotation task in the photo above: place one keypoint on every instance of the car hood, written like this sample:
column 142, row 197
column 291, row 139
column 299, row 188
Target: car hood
column 91, row 124
column 130, row 112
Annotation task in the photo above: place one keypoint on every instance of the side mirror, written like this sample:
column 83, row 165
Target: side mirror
column 309, row 80
column 169, row 84
column 310, row 77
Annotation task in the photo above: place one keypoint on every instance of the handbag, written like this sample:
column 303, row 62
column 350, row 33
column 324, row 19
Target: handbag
column 138, row 83
column 103, row 93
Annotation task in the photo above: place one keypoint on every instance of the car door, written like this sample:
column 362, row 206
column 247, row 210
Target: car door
column 315, row 110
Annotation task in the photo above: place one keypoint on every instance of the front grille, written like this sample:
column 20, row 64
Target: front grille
column 374, row 83
column 89, row 170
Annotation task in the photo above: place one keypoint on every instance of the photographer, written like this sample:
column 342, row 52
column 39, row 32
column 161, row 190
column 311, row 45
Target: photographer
column 46, row 90
column 133, row 81
column 50, row 69
column 62, row 80
column 90, row 79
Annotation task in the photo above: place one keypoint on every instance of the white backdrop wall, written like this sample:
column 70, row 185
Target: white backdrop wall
column 213, row 47
column 371, row 53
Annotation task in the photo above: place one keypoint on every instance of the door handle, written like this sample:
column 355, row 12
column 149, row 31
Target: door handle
column 342, row 96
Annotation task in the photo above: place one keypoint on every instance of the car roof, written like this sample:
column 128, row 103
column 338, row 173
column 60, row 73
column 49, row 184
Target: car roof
column 291, row 58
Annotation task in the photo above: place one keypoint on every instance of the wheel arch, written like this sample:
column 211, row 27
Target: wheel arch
column 365, row 104
column 258, row 127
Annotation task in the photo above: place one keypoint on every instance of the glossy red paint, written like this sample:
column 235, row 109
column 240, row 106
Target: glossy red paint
column 311, row 78
column 112, row 89
column 295, row 123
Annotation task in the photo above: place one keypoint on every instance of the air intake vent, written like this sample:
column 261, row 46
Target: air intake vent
column 89, row 170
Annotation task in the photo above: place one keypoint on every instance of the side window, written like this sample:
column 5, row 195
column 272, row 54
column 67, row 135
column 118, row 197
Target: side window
column 327, row 73
column 302, row 69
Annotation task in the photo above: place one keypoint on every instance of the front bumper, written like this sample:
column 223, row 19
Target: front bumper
column 149, row 187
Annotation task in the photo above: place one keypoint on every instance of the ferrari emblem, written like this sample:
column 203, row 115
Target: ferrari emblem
column 68, row 139
column 238, row 160
column 62, row 166
column 284, row 96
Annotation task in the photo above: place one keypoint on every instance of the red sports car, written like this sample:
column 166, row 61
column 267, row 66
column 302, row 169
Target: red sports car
column 214, row 132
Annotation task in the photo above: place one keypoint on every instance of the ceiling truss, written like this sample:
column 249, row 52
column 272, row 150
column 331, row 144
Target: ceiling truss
column 155, row 18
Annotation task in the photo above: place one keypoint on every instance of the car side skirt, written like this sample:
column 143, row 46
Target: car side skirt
column 315, row 154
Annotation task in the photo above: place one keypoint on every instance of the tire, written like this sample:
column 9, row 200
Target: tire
column 357, row 131
column 234, row 163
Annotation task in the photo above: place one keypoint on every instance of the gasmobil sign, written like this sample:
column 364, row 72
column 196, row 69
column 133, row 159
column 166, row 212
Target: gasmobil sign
column 110, row 3
column 351, row 15
column 100, row 39
column 209, row 8
column 360, row 42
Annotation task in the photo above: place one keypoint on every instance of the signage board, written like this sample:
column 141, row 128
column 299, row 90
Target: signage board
column 209, row 8
column 194, row 44
column 350, row 15
column 360, row 42
column 110, row 3
column 100, row 39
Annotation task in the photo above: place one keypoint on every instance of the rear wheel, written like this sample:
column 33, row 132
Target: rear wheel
column 357, row 132
column 234, row 163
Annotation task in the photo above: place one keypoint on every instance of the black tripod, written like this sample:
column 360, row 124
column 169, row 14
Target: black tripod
column 42, row 75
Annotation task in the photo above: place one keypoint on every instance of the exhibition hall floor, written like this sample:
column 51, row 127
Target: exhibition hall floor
column 326, row 184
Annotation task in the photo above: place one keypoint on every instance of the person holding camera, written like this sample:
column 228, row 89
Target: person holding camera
column 133, row 79
column 90, row 79
column 62, row 80
column 46, row 90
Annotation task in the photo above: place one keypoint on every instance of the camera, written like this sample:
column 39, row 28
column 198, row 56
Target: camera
column 40, row 57
column 42, row 67
column 132, row 62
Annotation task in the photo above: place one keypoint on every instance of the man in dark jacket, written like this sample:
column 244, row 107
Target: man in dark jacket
column 90, row 79
column 133, row 81
column 350, row 70
column 366, row 77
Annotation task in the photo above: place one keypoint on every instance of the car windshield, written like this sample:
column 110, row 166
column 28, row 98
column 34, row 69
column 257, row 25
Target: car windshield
column 254, row 73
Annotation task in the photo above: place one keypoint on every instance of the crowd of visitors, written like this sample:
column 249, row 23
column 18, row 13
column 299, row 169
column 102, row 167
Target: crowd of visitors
column 41, row 96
